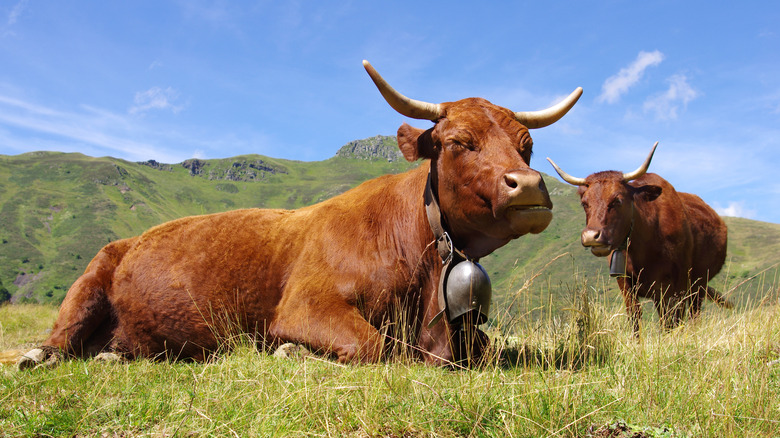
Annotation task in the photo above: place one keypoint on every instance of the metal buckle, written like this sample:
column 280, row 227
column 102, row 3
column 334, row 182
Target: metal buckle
column 446, row 238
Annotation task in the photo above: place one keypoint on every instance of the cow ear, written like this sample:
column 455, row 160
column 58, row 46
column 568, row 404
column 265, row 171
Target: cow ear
column 415, row 143
column 649, row 192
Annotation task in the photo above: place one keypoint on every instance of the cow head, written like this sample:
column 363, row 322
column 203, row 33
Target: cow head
column 608, row 200
column 480, row 155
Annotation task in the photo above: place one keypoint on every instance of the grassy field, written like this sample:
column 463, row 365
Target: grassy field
column 580, row 374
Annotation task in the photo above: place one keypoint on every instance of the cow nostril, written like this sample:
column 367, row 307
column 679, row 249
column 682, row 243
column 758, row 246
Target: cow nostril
column 511, row 182
column 590, row 237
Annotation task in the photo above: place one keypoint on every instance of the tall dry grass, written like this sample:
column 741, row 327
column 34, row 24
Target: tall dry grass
column 579, row 372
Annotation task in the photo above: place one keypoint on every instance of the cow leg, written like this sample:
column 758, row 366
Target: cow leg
column 670, row 312
column 633, row 308
column 718, row 298
column 696, row 302
column 335, row 328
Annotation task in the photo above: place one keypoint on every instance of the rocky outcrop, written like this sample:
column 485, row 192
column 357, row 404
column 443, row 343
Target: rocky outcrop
column 381, row 147
column 243, row 170
column 156, row 165
column 194, row 165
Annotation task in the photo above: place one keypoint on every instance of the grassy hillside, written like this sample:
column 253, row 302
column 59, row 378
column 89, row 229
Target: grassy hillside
column 57, row 210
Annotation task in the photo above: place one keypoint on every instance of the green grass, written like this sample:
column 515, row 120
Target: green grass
column 565, row 374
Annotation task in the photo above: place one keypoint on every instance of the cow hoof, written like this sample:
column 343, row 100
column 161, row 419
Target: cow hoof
column 109, row 357
column 43, row 357
column 290, row 350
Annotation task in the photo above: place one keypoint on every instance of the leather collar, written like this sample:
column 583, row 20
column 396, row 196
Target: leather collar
column 450, row 255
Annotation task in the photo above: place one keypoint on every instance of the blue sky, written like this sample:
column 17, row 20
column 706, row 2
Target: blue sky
column 169, row 80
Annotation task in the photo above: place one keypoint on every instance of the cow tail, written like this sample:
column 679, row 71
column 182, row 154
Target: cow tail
column 718, row 298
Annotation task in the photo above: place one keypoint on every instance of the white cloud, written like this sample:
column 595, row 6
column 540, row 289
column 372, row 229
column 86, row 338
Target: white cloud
column 735, row 209
column 617, row 85
column 88, row 129
column 16, row 12
column 155, row 98
column 665, row 105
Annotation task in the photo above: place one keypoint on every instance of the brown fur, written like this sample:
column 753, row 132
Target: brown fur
column 333, row 275
column 676, row 243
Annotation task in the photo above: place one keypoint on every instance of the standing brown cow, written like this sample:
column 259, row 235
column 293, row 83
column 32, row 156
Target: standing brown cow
column 334, row 275
column 663, row 244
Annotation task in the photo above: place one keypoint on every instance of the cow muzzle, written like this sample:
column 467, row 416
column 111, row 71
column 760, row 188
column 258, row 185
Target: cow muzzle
column 524, row 201
column 592, row 239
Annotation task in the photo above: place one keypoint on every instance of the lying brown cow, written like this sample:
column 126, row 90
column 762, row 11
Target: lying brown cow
column 663, row 244
column 334, row 276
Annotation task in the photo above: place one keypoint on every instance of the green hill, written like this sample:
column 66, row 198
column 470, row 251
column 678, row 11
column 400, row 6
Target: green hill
column 57, row 210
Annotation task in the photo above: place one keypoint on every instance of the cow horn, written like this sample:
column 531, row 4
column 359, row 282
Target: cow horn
column 642, row 169
column 573, row 180
column 408, row 107
column 546, row 117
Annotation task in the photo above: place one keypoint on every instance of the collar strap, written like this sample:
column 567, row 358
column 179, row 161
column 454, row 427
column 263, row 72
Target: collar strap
column 444, row 246
column 624, row 246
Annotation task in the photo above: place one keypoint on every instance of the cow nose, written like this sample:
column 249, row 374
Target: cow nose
column 525, row 188
column 590, row 237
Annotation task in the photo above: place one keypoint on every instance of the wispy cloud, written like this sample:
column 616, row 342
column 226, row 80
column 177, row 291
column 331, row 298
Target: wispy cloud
column 26, row 126
column 617, row 85
column 666, row 104
column 735, row 209
column 16, row 12
column 90, row 128
column 155, row 98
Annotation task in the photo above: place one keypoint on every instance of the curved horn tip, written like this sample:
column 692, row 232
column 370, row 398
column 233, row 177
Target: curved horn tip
column 546, row 117
column 655, row 146
column 643, row 168
column 412, row 108
column 573, row 180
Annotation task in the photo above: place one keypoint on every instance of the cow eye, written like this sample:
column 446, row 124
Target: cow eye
column 584, row 205
column 463, row 144
column 615, row 203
